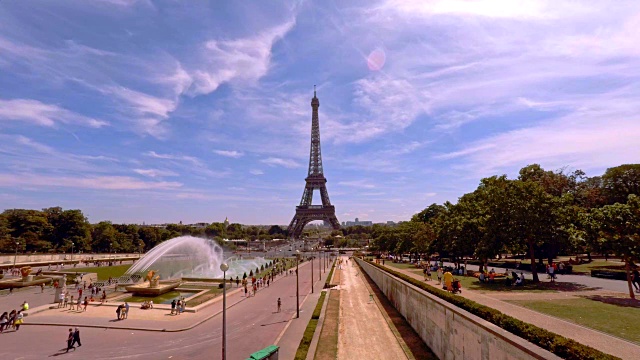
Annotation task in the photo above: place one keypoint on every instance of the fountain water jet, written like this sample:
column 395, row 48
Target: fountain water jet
column 188, row 256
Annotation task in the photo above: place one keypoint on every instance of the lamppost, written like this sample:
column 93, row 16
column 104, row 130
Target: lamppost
column 16, row 255
column 224, row 267
column 297, row 287
column 72, row 251
column 312, row 272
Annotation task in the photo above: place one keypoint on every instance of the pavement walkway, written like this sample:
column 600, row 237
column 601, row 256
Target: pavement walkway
column 363, row 331
column 596, row 339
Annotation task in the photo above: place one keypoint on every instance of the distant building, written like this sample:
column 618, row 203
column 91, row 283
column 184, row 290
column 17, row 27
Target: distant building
column 357, row 222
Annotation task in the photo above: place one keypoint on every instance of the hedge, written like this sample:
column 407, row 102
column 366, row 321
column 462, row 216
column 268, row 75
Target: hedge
column 303, row 348
column 326, row 283
column 559, row 345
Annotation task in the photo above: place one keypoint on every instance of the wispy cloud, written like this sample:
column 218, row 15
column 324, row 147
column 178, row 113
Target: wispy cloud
column 229, row 153
column 256, row 172
column 181, row 158
column 274, row 161
column 155, row 172
column 89, row 182
column 42, row 114
column 242, row 59
column 363, row 184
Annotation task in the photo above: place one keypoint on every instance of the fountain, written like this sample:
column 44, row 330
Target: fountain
column 188, row 256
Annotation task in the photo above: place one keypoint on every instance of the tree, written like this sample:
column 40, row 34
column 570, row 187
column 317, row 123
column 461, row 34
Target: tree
column 104, row 236
column 428, row 214
column 621, row 181
column 618, row 230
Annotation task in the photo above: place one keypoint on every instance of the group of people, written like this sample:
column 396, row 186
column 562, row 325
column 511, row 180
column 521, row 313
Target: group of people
column 13, row 319
column 122, row 311
column 74, row 304
column 178, row 307
column 72, row 339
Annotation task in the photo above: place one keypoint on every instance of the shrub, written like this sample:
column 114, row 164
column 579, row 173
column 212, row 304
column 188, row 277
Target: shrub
column 557, row 344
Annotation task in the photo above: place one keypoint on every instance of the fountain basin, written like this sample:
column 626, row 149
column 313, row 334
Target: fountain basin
column 144, row 289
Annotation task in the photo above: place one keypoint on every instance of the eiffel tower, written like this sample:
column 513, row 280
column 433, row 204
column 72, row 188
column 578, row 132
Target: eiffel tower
column 305, row 212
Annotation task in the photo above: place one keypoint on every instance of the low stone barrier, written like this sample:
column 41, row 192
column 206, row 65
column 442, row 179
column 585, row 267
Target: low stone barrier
column 450, row 332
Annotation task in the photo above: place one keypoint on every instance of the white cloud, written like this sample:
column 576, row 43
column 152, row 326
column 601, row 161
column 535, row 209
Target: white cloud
column 180, row 158
column 245, row 59
column 89, row 182
column 42, row 114
column 229, row 153
column 363, row 184
column 155, row 172
column 256, row 172
column 274, row 161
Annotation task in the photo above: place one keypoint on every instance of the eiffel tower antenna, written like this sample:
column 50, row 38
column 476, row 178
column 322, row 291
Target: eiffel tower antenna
column 306, row 212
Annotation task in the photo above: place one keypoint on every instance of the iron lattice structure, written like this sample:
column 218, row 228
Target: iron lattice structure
column 306, row 212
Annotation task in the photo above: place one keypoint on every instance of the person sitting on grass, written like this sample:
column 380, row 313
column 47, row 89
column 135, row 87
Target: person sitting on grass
column 520, row 280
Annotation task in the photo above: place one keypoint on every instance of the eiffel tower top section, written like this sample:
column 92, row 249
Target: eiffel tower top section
column 315, row 156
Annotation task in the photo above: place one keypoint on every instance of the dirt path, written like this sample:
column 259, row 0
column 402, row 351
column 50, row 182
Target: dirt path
column 363, row 330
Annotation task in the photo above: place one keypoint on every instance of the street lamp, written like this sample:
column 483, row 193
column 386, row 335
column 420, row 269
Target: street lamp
column 312, row 272
column 72, row 251
column 16, row 255
column 224, row 267
column 297, row 286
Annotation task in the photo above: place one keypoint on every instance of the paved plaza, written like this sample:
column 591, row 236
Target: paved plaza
column 252, row 324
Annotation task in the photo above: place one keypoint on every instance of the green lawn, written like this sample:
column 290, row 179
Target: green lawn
column 104, row 272
column 472, row 283
column 400, row 265
column 621, row 321
column 598, row 264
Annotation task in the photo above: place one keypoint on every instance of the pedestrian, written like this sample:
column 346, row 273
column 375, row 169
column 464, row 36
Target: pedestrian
column 279, row 304
column 18, row 320
column 80, row 293
column 76, row 338
column 78, row 304
column 4, row 320
column 118, row 310
column 636, row 279
column 126, row 310
column 41, row 288
column 86, row 303
column 237, row 281
column 71, row 304
column 173, row 306
column 70, row 341
column 184, row 305
column 178, row 306
column 25, row 306
column 61, row 300
column 245, row 290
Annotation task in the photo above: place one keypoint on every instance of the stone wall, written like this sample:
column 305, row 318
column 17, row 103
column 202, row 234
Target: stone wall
column 451, row 333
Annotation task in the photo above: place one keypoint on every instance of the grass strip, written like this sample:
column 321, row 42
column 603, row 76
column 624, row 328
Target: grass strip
column 557, row 344
column 303, row 348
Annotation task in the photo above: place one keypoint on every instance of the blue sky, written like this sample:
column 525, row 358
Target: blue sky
column 166, row 111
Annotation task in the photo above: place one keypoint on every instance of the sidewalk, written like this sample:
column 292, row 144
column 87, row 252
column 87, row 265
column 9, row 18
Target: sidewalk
column 290, row 338
column 363, row 330
column 596, row 339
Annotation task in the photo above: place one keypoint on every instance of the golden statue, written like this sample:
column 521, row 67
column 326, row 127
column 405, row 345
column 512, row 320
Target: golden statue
column 25, row 270
column 153, row 281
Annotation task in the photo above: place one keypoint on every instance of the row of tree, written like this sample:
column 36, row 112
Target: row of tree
column 57, row 230
column 540, row 214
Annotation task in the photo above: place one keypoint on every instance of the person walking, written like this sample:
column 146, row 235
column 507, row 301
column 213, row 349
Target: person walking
column 635, row 280
column 71, row 304
column 126, row 310
column 70, row 341
column 86, row 303
column 118, row 311
column 78, row 304
column 18, row 320
column 279, row 304
column 173, row 306
column 76, row 338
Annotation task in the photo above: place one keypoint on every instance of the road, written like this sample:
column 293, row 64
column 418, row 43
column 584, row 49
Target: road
column 251, row 325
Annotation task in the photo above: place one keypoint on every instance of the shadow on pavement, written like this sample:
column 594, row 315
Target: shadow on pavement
column 613, row 300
